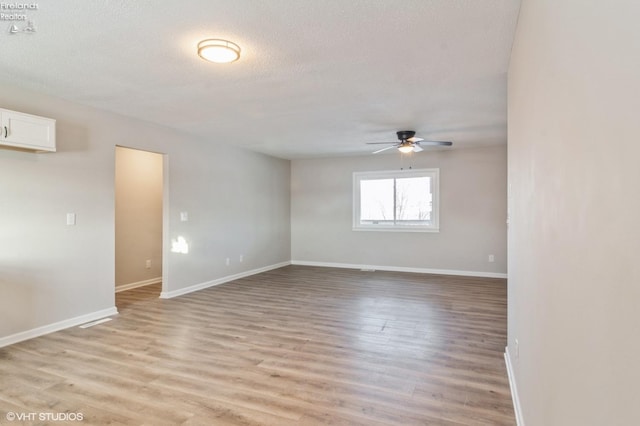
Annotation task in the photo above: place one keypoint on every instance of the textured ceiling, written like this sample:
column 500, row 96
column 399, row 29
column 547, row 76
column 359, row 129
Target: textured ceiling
column 316, row 78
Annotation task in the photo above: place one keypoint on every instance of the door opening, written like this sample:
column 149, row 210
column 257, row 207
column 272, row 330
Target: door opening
column 139, row 188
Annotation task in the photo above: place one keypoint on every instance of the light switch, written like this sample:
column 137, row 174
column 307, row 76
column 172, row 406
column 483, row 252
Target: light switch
column 184, row 216
column 71, row 218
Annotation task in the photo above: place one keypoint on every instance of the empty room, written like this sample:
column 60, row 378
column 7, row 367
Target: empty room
column 300, row 212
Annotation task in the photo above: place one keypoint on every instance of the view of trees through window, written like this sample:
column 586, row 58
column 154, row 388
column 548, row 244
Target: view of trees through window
column 406, row 201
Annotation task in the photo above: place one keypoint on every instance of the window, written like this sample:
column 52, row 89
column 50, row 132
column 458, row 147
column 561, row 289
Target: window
column 405, row 200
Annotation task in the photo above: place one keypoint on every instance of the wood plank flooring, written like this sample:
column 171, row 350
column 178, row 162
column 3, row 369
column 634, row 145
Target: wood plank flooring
column 293, row 346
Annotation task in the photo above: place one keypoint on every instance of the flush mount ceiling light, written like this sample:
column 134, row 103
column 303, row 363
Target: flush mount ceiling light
column 218, row 51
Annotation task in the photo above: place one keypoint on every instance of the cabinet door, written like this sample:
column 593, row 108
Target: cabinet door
column 28, row 131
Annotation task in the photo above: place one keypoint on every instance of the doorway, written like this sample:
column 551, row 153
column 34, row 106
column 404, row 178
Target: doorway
column 139, row 188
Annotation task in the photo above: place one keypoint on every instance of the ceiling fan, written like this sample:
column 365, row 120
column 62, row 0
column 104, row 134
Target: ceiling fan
column 408, row 143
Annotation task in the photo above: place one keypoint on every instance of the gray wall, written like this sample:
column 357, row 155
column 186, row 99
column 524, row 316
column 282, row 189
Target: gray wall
column 574, row 236
column 238, row 203
column 472, row 213
column 138, row 187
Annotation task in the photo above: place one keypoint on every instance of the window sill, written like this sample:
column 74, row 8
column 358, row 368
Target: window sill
column 396, row 229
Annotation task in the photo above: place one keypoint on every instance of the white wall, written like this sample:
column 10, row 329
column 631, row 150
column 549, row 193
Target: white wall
column 238, row 203
column 574, row 237
column 472, row 213
column 138, row 187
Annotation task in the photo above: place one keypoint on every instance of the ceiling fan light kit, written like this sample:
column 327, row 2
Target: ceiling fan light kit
column 405, row 147
column 408, row 143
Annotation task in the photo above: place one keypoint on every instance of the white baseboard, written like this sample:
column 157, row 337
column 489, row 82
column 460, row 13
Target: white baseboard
column 201, row 286
column 56, row 326
column 514, row 389
column 71, row 322
column 402, row 269
column 130, row 286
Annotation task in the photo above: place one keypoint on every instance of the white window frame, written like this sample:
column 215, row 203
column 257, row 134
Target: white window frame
column 434, row 174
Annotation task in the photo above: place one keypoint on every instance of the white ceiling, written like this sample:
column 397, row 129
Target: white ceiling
column 316, row 77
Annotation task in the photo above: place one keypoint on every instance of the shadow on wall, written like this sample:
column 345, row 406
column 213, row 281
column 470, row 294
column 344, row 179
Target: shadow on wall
column 70, row 138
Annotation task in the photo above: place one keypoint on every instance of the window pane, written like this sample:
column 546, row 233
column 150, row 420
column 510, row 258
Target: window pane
column 413, row 200
column 376, row 201
column 396, row 201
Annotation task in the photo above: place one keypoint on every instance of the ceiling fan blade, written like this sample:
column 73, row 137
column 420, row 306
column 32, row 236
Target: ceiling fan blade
column 414, row 139
column 417, row 148
column 433, row 143
column 380, row 143
column 383, row 149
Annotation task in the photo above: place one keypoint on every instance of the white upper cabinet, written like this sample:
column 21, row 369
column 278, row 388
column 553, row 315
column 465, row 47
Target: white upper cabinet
column 27, row 131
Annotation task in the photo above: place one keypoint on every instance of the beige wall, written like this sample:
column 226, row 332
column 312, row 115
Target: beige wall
column 237, row 200
column 574, row 236
column 472, row 213
column 138, row 187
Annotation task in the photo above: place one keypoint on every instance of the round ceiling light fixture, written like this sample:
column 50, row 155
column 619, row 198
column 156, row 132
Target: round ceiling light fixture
column 218, row 51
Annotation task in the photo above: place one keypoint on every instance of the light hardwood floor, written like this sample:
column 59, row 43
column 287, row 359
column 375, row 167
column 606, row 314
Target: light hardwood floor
column 293, row 346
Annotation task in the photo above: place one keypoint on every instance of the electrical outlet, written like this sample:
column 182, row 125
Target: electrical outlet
column 492, row 258
column 242, row 258
column 228, row 261
column 148, row 264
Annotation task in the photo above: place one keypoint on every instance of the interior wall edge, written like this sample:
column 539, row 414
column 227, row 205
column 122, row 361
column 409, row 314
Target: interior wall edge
column 514, row 388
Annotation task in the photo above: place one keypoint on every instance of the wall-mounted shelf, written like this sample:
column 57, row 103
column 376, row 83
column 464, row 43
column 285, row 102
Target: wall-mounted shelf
column 26, row 131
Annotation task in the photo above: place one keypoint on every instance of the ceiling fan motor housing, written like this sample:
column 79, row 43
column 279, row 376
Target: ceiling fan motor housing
column 403, row 135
